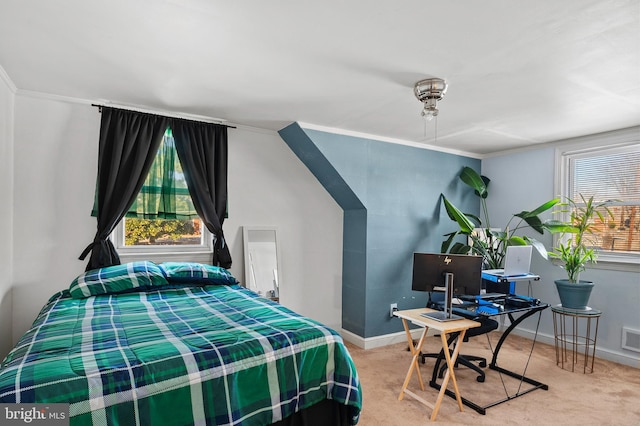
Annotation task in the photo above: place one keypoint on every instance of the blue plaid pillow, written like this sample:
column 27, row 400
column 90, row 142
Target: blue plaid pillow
column 117, row 279
column 196, row 273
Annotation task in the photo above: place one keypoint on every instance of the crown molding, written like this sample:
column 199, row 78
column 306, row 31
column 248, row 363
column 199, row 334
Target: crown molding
column 608, row 138
column 52, row 97
column 140, row 108
column 360, row 135
column 7, row 80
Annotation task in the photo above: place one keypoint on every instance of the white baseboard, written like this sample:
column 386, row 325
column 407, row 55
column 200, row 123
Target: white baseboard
column 379, row 341
column 401, row 337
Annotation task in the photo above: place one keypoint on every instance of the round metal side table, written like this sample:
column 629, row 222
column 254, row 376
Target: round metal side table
column 571, row 341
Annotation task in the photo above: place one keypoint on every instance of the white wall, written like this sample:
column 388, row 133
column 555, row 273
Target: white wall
column 54, row 179
column 6, row 212
column 56, row 146
column 616, row 293
column 269, row 186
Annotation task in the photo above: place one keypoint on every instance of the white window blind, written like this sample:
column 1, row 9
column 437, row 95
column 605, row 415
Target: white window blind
column 611, row 177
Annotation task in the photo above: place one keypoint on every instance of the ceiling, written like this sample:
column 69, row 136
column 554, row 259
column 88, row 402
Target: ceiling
column 519, row 72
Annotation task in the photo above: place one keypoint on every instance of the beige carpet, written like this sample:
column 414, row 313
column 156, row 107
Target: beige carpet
column 608, row 396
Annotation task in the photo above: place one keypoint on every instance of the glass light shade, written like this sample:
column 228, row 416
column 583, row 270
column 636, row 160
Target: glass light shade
column 429, row 111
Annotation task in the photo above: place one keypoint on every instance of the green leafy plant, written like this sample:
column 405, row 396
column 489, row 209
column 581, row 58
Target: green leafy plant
column 148, row 231
column 577, row 251
column 488, row 242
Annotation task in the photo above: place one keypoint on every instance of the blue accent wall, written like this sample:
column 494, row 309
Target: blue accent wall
column 390, row 194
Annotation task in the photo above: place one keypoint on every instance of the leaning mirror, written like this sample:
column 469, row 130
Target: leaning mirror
column 261, row 263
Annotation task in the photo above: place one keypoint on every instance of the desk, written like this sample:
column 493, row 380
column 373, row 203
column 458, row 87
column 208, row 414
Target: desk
column 516, row 316
column 445, row 328
column 575, row 339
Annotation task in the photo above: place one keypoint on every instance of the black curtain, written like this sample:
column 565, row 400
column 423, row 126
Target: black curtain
column 129, row 142
column 202, row 150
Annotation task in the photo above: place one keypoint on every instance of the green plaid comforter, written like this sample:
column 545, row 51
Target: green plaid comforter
column 187, row 355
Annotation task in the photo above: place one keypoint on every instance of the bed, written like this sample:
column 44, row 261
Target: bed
column 180, row 344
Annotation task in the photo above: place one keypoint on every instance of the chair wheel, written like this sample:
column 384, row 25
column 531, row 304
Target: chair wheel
column 480, row 379
column 483, row 364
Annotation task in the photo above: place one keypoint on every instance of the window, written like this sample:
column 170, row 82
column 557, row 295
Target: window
column 162, row 219
column 606, row 167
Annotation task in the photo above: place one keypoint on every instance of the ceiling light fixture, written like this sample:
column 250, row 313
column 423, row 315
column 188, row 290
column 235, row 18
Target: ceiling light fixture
column 429, row 92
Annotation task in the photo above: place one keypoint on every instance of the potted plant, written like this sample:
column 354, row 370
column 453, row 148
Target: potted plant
column 488, row 242
column 575, row 250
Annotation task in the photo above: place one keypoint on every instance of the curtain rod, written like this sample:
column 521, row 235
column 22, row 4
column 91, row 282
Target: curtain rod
column 188, row 117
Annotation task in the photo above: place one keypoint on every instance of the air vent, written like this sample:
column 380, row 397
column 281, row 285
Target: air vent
column 630, row 339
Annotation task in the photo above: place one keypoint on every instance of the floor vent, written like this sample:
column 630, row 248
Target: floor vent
column 630, row 339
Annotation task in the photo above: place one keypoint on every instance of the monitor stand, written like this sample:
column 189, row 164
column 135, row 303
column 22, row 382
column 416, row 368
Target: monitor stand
column 447, row 314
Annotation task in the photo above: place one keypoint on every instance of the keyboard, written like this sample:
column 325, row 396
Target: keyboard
column 467, row 298
column 493, row 296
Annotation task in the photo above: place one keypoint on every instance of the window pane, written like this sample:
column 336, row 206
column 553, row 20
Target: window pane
column 162, row 232
column 621, row 233
column 164, row 194
column 608, row 177
column 612, row 177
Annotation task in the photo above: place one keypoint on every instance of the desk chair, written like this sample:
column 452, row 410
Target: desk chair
column 487, row 325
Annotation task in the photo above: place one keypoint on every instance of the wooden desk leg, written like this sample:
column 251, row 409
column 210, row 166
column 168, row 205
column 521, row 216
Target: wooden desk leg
column 414, row 362
column 451, row 360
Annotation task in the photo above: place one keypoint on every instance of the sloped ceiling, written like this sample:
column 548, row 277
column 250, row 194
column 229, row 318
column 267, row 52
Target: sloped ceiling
column 519, row 72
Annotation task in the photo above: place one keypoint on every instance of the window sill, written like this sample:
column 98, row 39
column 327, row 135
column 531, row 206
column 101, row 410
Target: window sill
column 626, row 264
column 614, row 263
column 199, row 257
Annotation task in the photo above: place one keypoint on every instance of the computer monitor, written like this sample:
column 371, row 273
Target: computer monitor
column 429, row 271
column 453, row 274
